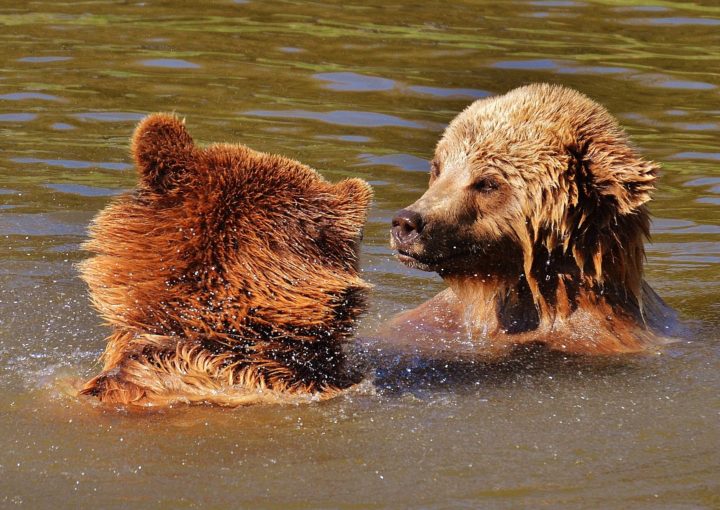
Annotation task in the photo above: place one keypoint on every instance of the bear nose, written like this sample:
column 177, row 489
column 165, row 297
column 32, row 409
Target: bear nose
column 406, row 226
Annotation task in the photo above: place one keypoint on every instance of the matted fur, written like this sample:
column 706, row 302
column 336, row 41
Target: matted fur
column 536, row 216
column 228, row 276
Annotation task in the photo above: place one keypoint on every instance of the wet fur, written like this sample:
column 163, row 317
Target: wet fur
column 536, row 217
column 228, row 276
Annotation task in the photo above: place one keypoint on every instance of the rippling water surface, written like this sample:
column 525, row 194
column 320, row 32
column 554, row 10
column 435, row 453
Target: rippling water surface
column 353, row 89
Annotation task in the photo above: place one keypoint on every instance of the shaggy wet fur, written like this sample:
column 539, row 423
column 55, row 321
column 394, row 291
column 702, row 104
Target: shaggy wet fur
column 536, row 217
column 228, row 276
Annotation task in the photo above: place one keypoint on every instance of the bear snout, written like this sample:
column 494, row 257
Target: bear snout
column 406, row 227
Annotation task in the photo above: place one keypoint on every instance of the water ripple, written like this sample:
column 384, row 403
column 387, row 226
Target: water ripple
column 559, row 67
column 674, row 21
column 450, row 92
column 62, row 126
column 43, row 60
column 110, row 116
column 668, row 82
column 711, row 156
column 17, row 117
column 70, row 163
column 41, row 224
column 642, row 8
column 21, row 96
column 345, row 138
column 557, row 3
column 404, row 161
column 539, row 64
column 594, row 70
column 695, row 126
column 703, row 181
column 340, row 117
column 85, row 191
column 709, row 200
column 353, row 82
column 677, row 226
column 659, row 80
column 173, row 63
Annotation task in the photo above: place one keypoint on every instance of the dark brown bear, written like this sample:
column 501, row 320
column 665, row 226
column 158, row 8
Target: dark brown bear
column 228, row 276
column 535, row 216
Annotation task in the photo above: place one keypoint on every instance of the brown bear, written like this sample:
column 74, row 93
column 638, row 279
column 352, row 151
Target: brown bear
column 535, row 216
column 228, row 276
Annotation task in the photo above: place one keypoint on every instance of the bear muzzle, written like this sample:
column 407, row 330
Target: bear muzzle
column 406, row 227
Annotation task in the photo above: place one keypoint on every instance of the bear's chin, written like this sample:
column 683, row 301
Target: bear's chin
column 456, row 263
column 414, row 263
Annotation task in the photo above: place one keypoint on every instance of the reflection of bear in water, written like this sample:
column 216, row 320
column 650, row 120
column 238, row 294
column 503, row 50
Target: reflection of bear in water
column 535, row 216
column 228, row 276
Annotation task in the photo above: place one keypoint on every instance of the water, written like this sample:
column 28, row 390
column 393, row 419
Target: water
column 354, row 90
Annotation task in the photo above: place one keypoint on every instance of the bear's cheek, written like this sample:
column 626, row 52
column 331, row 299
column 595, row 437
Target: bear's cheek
column 498, row 204
column 441, row 239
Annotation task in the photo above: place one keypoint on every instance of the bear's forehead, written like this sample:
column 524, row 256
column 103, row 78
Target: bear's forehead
column 537, row 119
column 504, row 119
column 482, row 137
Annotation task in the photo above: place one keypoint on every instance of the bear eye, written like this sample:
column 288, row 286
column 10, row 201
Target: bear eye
column 434, row 169
column 485, row 185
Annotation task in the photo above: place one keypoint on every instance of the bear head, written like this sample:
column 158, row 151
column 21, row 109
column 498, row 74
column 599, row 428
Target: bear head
column 532, row 184
column 227, row 243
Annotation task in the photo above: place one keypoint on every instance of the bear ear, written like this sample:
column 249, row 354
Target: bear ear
column 163, row 150
column 608, row 185
column 616, row 181
column 354, row 196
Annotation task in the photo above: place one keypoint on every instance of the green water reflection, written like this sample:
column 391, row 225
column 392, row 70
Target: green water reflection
column 363, row 90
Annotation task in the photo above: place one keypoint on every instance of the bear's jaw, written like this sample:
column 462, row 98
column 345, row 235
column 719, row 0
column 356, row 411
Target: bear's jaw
column 440, row 265
column 473, row 260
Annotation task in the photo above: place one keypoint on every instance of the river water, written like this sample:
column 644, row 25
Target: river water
column 353, row 89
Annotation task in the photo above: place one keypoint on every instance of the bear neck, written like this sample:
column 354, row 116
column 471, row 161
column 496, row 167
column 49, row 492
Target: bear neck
column 572, row 310
column 495, row 304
